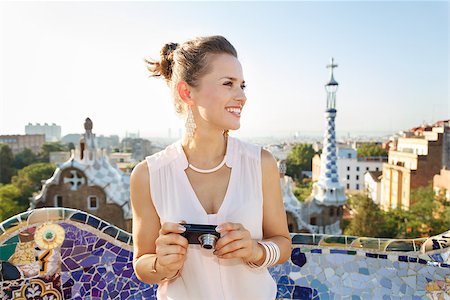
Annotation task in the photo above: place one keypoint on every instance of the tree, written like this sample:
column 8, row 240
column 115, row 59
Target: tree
column 9, row 202
column 367, row 219
column 298, row 160
column 24, row 158
column 371, row 149
column 46, row 148
column 394, row 225
column 303, row 190
column 6, row 162
column 28, row 180
column 428, row 215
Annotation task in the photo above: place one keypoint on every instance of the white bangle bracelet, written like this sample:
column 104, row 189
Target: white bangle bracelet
column 272, row 252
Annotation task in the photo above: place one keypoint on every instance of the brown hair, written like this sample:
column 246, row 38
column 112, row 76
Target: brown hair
column 187, row 62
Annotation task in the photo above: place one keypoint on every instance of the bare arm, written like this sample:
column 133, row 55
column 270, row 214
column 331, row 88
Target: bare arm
column 150, row 240
column 274, row 215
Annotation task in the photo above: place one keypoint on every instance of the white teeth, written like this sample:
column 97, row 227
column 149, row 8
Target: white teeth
column 233, row 109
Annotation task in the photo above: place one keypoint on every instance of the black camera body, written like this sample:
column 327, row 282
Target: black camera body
column 204, row 235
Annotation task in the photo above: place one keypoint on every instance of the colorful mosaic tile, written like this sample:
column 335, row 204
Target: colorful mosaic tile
column 69, row 254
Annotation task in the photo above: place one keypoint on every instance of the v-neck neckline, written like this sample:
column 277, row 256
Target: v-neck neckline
column 194, row 197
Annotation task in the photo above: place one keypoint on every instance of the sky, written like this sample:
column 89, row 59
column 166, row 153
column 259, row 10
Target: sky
column 61, row 62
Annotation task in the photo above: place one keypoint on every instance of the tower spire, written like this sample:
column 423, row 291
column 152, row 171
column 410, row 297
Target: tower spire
column 329, row 190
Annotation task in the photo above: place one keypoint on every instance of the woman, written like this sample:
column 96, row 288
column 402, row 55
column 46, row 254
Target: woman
column 208, row 178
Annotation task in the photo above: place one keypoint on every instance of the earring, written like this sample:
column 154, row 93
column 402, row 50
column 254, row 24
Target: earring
column 190, row 124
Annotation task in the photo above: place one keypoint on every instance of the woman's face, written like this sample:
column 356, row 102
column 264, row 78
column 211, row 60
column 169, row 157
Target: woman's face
column 219, row 96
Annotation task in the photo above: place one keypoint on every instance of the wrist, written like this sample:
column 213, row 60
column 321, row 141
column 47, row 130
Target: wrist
column 258, row 254
column 163, row 272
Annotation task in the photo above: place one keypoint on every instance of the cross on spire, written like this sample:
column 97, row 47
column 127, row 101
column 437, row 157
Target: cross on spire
column 332, row 65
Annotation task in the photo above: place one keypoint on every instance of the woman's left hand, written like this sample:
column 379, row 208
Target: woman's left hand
column 236, row 242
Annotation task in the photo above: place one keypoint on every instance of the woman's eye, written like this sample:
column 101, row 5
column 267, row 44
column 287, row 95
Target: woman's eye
column 243, row 86
column 229, row 83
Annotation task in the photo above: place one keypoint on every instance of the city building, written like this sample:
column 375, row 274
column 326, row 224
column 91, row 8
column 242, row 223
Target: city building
column 441, row 183
column 372, row 185
column 139, row 148
column 416, row 157
column 123, row 161
column 88, row 182
column 351, row 168
column 18, row 143
column 52, row 132
column 108, row 142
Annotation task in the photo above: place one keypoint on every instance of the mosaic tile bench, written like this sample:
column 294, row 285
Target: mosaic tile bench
column 57, row 253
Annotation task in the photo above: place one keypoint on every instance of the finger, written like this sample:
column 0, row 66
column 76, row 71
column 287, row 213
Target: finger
column 230, row 247
column 232, row 236
column 228, row 226
column 239, row 253
column 172, row 239
column 168, row 227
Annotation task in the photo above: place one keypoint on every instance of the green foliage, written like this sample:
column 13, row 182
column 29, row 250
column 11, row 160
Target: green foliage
column 428, row 215
column 20, row 185
column 394, row 224
column 24, row 158
column 367, row 217
column 28, row 180
column 303, row 190
column 9, row 202
column 371, row 149
column 6, row 161
column 299, row 159
column 46, row 148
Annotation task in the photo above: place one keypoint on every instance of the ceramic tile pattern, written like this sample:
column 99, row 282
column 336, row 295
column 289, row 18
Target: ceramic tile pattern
column 68, row 254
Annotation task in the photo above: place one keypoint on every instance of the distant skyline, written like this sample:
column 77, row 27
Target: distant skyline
column 61, row 62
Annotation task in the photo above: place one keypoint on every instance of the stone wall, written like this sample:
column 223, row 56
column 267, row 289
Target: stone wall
column 69, row 254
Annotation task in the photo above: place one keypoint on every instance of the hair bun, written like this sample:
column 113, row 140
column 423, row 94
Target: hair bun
column 167, row 59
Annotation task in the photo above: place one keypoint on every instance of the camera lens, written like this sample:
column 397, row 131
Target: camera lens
column 208, row 241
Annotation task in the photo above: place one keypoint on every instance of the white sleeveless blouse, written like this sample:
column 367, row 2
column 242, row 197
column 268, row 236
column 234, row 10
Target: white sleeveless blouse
column 205, row 276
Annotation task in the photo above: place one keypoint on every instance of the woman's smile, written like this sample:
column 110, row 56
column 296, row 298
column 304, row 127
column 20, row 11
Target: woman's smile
column 234, row 110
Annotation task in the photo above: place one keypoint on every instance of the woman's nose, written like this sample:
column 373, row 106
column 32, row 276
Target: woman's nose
column 240, row 97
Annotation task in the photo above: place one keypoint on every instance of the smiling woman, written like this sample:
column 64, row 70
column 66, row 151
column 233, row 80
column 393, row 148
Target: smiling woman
column 207, row 178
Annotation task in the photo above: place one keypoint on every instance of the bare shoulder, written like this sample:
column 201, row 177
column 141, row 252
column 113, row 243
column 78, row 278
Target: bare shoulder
column 140, row 172
column 139, row 180
column 268, row 162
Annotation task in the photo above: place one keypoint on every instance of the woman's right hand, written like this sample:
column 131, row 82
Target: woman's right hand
column 171, row 249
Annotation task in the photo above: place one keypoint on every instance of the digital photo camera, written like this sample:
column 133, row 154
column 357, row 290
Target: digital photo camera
column 204, row 235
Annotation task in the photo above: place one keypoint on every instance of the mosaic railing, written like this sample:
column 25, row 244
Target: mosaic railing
column 57, row 253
